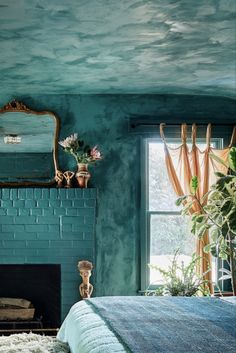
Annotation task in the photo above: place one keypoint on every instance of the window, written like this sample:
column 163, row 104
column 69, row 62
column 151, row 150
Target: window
column 165, row 229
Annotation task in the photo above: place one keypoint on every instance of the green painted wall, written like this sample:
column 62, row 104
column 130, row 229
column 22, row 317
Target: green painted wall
column 103, row 120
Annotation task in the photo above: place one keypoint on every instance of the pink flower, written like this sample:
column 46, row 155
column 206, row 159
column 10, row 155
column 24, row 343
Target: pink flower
column 69, row 141
column 95, row 154
column 81, row 152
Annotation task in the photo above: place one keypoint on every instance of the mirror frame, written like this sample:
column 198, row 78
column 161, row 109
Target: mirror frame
column 17, row 106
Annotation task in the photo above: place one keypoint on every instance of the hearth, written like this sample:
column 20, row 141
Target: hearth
column 39, row 284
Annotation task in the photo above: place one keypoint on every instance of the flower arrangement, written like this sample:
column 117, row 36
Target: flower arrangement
column 81, row 152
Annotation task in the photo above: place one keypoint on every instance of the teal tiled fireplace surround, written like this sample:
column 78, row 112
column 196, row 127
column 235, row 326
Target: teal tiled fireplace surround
column 49, row 226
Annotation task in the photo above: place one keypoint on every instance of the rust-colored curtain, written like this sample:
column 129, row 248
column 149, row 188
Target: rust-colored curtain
column 183, row 163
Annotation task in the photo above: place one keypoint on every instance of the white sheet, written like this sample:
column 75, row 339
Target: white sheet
column 86, row 332
column 231, row 300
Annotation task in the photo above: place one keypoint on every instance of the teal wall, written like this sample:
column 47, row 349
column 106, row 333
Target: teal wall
column 103, row 120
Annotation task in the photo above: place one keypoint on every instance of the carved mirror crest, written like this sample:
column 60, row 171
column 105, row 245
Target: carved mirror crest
column 28, row 146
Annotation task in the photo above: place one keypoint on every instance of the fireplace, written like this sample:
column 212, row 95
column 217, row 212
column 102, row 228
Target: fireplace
column 48, row 226
column 41, row 285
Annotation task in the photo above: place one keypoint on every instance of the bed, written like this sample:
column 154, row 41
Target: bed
column 151, row 325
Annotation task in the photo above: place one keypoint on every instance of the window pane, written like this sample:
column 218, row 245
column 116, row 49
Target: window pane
column 161, row 193
column 169, row 233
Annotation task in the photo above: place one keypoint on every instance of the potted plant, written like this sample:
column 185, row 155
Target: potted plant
column 218, row 215
column 180, row 279
column 83, row 154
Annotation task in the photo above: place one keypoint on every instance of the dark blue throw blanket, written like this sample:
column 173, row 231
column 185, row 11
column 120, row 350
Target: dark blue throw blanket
column 170, row 324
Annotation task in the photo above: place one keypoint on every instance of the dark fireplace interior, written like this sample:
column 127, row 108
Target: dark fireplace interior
column 40, row 284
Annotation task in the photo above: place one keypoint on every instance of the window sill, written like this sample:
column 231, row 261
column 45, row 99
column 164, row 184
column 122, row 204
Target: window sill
column 223, row 294
column 216, row 294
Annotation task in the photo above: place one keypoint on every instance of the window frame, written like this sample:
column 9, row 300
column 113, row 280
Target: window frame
column 145, row 217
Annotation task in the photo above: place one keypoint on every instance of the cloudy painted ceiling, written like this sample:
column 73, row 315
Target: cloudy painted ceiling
column 118, row 46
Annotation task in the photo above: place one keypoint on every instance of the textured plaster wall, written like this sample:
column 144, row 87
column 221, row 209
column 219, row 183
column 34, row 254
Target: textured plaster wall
column 103, row 120
column 125, row 46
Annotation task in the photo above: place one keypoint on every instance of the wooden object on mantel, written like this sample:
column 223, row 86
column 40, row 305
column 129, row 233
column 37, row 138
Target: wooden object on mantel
column 16, row 309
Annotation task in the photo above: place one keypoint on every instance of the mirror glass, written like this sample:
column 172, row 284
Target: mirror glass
column 28, row 145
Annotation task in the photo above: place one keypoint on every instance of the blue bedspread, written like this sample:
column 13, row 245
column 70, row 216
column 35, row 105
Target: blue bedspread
column 170, row 324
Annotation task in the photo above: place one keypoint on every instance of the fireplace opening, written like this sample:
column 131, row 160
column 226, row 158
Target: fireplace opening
column 38, row 284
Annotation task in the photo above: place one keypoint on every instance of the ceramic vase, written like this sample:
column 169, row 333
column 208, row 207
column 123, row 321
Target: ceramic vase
column 82, row 176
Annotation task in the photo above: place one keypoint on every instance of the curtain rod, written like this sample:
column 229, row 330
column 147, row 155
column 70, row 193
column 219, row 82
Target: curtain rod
column 134, row 124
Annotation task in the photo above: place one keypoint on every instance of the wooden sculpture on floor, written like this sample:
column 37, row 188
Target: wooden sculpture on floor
column 85, row 288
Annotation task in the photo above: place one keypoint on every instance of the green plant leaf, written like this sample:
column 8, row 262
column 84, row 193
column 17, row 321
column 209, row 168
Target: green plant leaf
column 214, row 250
column 218, row 159
column 232, row 158
column 194, row 184
column 193, row 228
column 221, row 182
column 204, row 197
column 219, row 175
column 223, row 255
column 225, row 270
column 232, row 221
column 226, row 206
column 201, row 229
column 231, row 188
column 224, row 277
column 207, row 248
column 86, row 148
column 200, row 218
column 214, row 233
column 180, row 199
column 225, row 230
column 187, row 207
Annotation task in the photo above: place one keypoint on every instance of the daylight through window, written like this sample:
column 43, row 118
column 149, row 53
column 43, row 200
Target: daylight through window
column 167, row 229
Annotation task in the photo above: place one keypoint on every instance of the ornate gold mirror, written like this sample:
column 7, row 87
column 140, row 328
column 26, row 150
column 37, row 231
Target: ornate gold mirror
column 28, row 146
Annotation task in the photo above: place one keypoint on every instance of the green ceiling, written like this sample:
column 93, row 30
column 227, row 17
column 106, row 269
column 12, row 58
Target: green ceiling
column 117, row 46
